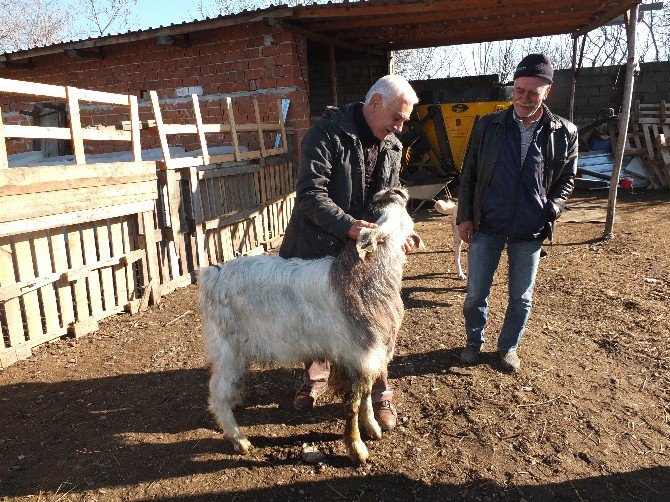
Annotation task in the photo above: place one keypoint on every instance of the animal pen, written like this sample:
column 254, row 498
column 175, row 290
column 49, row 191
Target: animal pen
column 82, row 242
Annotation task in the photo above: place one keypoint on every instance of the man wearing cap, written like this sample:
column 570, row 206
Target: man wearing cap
column 515, row 181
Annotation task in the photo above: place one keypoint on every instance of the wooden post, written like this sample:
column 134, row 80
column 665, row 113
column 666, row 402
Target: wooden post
column 159, row 126
column 333, row 73
column 282, row 125
column 198, row 216
column 233, row 129
column 574, row 80
column 75, row 125
column 135, row 128
column 261, row 140
column 201, row 132
column 631, row 24
column 152, row 256
column 4, row 163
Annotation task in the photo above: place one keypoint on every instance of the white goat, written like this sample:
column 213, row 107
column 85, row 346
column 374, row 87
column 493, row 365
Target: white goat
column 450, row 207
column 347, row 309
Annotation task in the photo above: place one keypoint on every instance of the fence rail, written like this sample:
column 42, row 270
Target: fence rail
column 79, row 243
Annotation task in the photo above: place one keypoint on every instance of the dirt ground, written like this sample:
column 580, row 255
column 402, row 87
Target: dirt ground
column 122, row 414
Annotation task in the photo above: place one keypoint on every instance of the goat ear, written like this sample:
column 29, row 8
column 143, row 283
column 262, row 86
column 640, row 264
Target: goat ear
column 367, row 241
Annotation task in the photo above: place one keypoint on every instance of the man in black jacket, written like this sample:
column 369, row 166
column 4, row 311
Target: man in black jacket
column 517, row 176
column 347, row 156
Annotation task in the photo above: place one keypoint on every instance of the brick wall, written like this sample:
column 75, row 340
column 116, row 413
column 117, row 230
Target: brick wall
column 242, row 62
column 355, row 74
column 602, row 87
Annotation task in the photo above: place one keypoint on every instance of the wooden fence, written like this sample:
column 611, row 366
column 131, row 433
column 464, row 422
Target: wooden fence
column 649, row 136
column 81, row 242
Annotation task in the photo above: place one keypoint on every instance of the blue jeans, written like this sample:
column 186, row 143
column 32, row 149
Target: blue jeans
column 483, row 257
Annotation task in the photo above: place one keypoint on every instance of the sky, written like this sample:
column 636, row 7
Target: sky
column 154, row 13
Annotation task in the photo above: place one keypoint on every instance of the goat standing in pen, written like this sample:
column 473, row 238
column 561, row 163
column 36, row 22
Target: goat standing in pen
column 346, row 308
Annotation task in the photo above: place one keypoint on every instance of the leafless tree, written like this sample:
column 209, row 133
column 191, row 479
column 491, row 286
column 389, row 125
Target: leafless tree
column 32, row 23
column 417, row 64
column 105, row 17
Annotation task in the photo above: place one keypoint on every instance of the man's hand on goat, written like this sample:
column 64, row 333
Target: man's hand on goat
column 355, row 229
column 466, row 230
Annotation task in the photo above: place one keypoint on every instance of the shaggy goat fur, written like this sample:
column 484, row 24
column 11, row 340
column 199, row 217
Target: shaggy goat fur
column 346, row 309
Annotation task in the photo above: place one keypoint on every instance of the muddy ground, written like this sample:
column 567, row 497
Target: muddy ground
column 121, row 414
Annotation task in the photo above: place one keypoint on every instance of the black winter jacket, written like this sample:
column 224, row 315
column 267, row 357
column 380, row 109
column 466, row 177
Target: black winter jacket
column 330, row 190
column 486, row 141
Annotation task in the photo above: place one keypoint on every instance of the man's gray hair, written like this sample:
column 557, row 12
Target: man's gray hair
column 391, row 87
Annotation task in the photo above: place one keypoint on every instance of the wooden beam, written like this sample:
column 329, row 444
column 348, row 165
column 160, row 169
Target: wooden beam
column 4, row 163
column 624, row 117
column 75, row 125
column 12, row 64
column 20, row 87
column 455, row 12
column 333, row 74
column 317, row 37
column 616, row 10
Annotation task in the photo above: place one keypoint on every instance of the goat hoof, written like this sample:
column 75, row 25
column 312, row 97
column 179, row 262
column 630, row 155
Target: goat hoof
column 242, row 445
column 462, row 276
column 373, row 430
column 358, row 452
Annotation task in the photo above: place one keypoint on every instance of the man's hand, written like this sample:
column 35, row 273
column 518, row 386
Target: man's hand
column 408, row 245
column 357, row 226
column 466, row 230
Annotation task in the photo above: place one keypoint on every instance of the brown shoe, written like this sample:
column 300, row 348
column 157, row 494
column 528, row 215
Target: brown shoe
column 385, row 414
column 306, row 397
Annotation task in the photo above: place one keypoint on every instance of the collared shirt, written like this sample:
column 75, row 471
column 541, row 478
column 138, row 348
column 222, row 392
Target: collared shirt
column 526, row 133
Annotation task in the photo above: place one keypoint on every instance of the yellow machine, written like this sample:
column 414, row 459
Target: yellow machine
column 458, row 118
column 437, row 141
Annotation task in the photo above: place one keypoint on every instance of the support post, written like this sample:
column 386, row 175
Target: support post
column 624, row 116
column 573, row 87
column 333, row 73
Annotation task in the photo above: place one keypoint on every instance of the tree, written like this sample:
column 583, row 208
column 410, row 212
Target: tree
column 106, row 17
column 417, row 64
column 33, row 23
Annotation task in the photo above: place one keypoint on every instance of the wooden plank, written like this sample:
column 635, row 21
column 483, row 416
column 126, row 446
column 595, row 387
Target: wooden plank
column 135, row 128
column 120, row 271
column 26, row 271
column 4, row 163
column 106, row 276
column 198, row 217
column 159, row 125
column 18, row 207
column 22, row 87
column 37, row 132
column 223, row 158
column 75, row 125
column 233, row 129
column 128, row 231
column 44, row 222
column 12, row 307
column 28, row 176
column 174, row 201
column 198, row 125
column 76, row 253
column 60, row 264
column 103, row 97
column 648, row 141
column 181, row 162
column 206, row 172
column 47, row 293
column 53, row 186
column 261, row 139
column 152, row 256
column 90, row 259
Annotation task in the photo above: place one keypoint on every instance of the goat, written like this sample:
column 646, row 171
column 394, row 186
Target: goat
column 347, row 309
column 447, row 207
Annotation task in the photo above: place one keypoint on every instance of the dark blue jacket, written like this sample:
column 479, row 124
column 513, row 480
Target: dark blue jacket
column 536, row 195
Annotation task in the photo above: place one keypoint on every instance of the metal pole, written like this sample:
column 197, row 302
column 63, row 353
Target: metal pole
column 624, row 116
column 574, row 80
